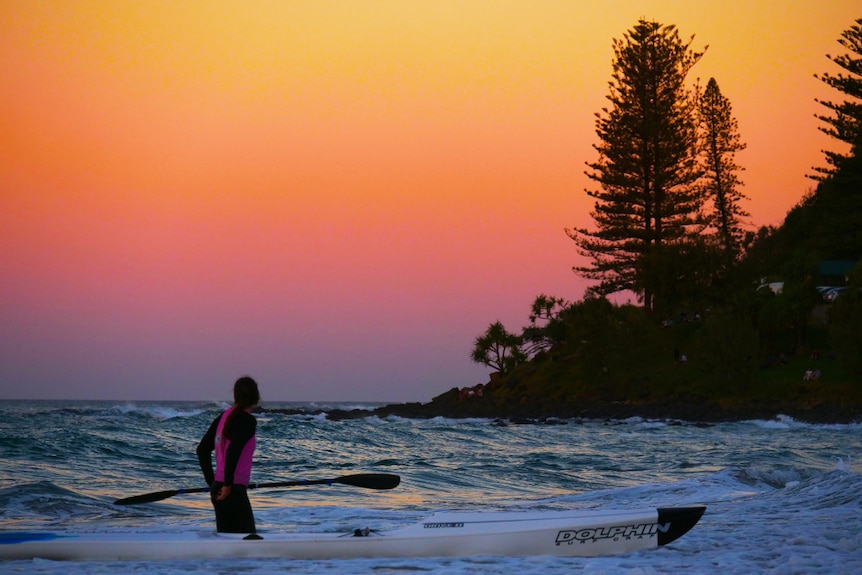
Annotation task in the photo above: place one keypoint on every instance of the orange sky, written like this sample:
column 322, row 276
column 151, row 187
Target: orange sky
column 336, row 197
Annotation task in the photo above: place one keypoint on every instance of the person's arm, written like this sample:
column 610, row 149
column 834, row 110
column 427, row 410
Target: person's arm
column 242, row 430
column 205, row 450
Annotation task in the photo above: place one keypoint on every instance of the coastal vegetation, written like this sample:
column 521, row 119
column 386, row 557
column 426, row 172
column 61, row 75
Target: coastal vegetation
column 728, row 320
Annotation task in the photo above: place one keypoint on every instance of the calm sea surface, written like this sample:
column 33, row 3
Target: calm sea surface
column 782, row 496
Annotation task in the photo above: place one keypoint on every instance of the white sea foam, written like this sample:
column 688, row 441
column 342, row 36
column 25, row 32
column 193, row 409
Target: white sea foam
column 158, row 411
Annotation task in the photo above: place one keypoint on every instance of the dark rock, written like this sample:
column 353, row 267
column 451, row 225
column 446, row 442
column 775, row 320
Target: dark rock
column 696, row 411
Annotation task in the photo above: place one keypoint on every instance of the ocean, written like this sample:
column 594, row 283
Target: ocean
column 783, row 496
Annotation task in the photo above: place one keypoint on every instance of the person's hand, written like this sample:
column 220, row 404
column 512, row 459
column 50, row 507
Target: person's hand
column 223, row 493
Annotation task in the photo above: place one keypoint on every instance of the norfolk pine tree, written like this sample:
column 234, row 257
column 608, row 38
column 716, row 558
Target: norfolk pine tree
column 648, row 166
column 720, row 134
column 838, row 198
column 845, row 123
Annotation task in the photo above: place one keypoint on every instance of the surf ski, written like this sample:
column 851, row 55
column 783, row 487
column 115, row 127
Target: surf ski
column 443, row 534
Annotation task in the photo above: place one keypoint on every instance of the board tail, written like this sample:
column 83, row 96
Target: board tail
column 674, row 522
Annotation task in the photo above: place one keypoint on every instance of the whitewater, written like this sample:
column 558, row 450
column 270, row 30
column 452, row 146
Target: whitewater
column 783, row 496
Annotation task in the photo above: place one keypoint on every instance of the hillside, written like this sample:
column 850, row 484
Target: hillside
column 651, row 384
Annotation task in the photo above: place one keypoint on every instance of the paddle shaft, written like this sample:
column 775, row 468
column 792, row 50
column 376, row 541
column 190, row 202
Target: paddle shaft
column 366, row 480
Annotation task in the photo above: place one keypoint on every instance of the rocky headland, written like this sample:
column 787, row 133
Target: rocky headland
column 454, row 405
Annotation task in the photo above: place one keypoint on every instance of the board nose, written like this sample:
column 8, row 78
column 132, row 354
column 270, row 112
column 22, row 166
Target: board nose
column 674, row 522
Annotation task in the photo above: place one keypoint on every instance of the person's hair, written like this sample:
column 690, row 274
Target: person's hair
column 245, row 395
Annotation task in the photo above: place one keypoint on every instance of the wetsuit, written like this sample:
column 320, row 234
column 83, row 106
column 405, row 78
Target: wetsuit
column 234, row 450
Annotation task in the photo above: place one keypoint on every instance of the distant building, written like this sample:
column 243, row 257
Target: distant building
column 834, row 272
column 774, row 287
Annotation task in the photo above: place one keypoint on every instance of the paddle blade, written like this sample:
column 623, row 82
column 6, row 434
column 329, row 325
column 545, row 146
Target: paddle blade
column 370, row 480
column 147, row 497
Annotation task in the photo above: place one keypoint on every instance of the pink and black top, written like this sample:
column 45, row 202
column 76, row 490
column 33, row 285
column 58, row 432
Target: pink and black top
column 234, row 448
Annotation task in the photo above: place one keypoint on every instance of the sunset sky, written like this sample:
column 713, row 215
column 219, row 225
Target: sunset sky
column 333, row 197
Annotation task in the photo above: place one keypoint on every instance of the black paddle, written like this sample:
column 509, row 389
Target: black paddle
column 367, row 480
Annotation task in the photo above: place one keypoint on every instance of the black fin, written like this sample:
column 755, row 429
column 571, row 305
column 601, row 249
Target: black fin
column 674, row 522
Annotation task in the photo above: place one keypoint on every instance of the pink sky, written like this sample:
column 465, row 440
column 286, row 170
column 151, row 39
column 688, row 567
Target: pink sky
column 334, row 197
